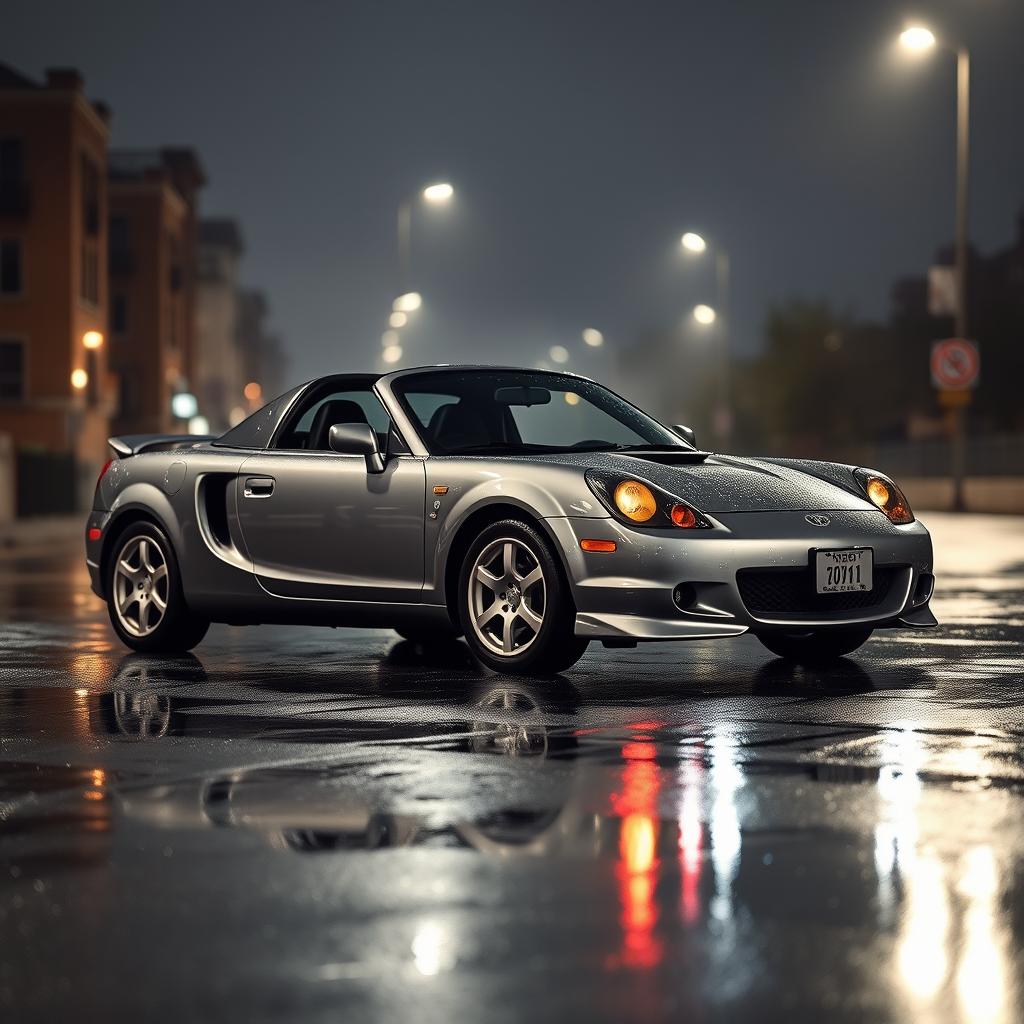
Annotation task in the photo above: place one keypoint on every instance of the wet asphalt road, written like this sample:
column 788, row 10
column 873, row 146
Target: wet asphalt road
column 311, row 824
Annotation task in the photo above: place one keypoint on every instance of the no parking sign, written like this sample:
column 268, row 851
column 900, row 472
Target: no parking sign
column 955, row 364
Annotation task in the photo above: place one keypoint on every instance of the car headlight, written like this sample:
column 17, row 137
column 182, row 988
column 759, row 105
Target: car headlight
column 635, row 500
column 885, row 496
column 640, row 503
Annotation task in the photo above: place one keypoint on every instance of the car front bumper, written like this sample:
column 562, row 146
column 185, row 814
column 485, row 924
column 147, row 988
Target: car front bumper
column 753, row 571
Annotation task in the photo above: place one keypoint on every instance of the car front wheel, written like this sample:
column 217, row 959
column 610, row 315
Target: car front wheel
column 815, row 647
column 144, row 597
column 514, row 603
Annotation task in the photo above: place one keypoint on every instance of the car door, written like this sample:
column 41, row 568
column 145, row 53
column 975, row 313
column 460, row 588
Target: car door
column 317, row 524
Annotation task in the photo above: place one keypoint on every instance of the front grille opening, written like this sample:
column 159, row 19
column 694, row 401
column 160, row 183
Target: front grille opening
column 791, row 594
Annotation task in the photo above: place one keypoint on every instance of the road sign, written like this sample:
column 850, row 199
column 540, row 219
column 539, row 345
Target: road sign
column 955, row 364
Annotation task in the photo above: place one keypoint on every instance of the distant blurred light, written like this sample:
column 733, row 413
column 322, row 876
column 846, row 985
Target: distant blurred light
column 199, row 425
column 236, row 415
column 398, row 320
column 92, row 339
column 389, row 338
column 593, row 337
column 694, row 242
column 392, row 354
column 253, row 391
column 571, row 398
column 439, row 193
column 917, row 38
column 184, row 405
column 408, row 303
column 704, row 314
column 79, row 378
column 559, row 354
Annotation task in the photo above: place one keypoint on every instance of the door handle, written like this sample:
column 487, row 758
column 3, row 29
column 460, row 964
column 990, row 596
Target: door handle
column 259, row 487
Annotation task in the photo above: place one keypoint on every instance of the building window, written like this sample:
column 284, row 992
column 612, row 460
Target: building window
column 13, row 191
column 119, row 314
column 90, row 197
column 12, row 370
column 10, row 266
column 90, row 274
column 119, row 245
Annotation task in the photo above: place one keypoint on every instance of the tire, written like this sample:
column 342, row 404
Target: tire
column 817, row 647
column 140, row 575
column 428, row 636
column 530, row 628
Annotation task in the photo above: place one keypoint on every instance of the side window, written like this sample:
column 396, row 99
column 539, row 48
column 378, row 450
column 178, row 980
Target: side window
column 309, row 431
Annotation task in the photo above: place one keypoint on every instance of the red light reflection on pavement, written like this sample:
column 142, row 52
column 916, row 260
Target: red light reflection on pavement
column 637, row 868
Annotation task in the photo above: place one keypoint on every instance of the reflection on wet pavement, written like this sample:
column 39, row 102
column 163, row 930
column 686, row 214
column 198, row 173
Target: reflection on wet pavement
column 298, row 824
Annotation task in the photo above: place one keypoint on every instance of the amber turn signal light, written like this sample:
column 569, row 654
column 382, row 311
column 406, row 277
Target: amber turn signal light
column 597, row 545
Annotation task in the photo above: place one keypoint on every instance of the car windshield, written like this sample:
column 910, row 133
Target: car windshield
column 515, row 412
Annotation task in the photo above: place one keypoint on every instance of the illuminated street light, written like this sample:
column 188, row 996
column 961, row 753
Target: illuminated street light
column 593, row 337
column 92, row 339
column 439, row 193
column 408, row 303
column 693, row 242
column 704, row 314
column 79, row 378
column 253, row 391
column 184, row 405
column 392, row 353
column 398, row 319
column 198, row 425
column 917, row 38
column 559, row 354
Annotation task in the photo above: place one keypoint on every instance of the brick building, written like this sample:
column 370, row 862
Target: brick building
column 152, row 228
column 56, row 395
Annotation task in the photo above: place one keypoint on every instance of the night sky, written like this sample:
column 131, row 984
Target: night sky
column 582, row 137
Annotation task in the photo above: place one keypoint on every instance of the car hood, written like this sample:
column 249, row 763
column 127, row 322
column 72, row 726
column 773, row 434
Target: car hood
column 722, row 483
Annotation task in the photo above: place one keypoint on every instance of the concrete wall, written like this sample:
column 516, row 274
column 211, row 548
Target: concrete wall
column 983, row 493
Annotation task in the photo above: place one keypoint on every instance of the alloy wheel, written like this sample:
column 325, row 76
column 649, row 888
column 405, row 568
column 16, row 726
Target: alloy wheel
column 507, row 597
column 140, row 586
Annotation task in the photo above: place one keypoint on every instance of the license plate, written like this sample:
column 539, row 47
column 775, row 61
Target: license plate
column 843, row 571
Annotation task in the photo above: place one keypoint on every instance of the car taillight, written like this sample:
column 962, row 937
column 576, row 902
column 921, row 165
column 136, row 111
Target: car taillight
column 103, row 471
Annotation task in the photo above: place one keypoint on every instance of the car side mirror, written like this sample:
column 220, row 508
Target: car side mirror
column 357, row 439
column 686, row 433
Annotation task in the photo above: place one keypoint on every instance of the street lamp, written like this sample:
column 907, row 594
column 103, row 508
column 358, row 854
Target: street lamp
column 437, row 194
column 593, row 337
column 697, row 244
column 704, row 314
column 918, row 39
column 693, row 242
column 407, row 303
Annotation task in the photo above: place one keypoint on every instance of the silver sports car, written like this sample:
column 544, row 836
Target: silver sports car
column 530, row 512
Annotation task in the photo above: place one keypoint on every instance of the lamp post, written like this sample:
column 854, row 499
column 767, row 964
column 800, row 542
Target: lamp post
column 918, row 39
column 706, row 315
column 437, row 194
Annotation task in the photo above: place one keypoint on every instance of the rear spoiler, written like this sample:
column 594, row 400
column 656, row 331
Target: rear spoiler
column 135, row 444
